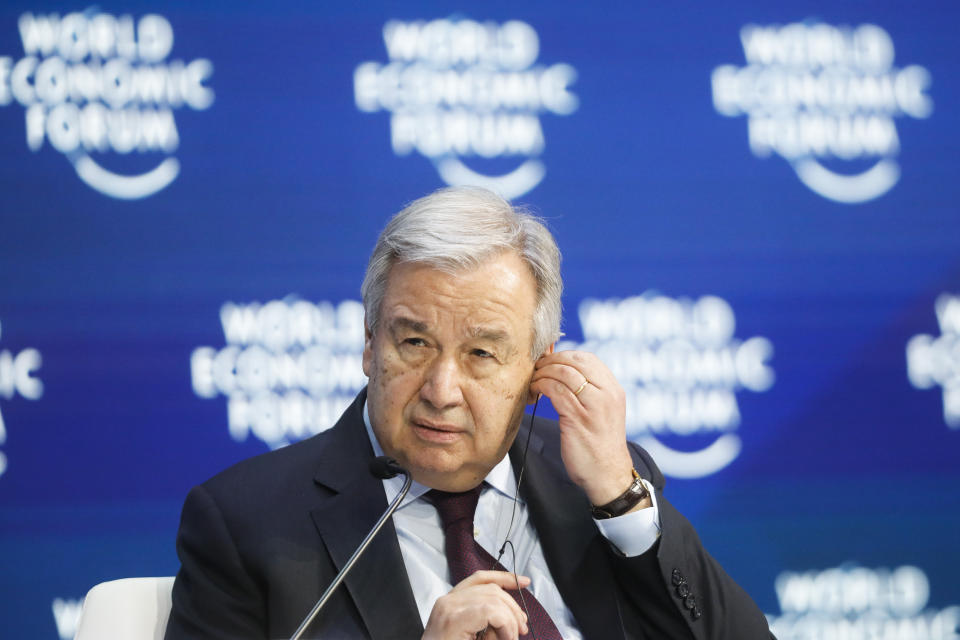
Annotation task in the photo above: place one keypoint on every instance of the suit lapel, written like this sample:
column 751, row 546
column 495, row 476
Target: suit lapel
column 575, row 550
column 378, row 583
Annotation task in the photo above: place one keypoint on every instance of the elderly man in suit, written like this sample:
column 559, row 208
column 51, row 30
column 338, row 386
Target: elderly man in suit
column 514, row 528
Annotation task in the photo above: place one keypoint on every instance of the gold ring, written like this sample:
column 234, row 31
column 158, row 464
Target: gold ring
column 581, row 387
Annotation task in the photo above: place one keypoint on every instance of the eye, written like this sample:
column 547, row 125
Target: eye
column 481, row 353
column 415, row 342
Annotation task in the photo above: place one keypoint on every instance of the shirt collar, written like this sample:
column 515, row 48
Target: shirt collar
column 500, row 478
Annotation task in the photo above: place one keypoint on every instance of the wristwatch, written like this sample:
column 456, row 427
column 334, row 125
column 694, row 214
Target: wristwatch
column 624, row 502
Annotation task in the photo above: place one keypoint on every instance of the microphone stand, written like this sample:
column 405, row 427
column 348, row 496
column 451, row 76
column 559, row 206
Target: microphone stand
column 391, row 470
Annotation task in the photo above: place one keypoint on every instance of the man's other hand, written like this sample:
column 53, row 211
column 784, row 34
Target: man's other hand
column 479, row 602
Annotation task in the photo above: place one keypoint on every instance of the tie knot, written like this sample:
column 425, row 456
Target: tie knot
column 455, row 507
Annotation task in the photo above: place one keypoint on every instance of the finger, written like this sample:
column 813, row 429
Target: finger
column 504, row 628
column 572, row 357
column 479, row 602
column 569, row 376
column 566, row 404
column 588, row 364
column 494, row 583
column 519, row 617
column 508, row 631
column 503, row 579
column 559, row 392
column 561, row 371
column 561, row 383
column 500, row 610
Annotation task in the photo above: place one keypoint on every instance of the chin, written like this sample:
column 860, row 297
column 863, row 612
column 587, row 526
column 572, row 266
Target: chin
column 435, row 465
column 444, row 474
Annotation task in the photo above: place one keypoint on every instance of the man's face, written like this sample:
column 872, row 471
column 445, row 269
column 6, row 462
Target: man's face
column 450, row 368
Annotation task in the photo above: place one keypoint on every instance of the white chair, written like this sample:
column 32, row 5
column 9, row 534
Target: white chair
column 127, row 609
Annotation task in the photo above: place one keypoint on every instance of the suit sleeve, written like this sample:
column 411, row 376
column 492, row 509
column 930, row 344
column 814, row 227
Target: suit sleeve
column 214, row 595
column 677, row 589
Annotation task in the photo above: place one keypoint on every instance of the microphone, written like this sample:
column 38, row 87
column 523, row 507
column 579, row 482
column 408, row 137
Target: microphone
column 383, row 467
column 386, row 467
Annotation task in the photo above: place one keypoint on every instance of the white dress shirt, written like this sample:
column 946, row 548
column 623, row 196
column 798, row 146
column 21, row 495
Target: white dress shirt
column 420, row 534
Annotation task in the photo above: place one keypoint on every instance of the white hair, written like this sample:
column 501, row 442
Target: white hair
column 459, row 228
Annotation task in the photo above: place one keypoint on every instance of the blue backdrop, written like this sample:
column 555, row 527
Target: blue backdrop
column 756, row 204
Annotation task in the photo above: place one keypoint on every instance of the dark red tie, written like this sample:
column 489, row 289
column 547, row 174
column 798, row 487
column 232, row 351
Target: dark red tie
column 465, row 555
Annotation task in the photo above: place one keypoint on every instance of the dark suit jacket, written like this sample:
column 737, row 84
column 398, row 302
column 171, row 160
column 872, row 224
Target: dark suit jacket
column 261, row 541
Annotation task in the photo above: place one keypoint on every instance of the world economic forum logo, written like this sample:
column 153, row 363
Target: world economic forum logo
column 854, row 602
column 288, row 370
column 824, row 98
column 97, row 86
column 935, row 360
column 468, row 96
column 18, row 376
column 681, row 368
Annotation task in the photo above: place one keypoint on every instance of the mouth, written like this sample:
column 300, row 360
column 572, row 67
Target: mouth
column 436, row 432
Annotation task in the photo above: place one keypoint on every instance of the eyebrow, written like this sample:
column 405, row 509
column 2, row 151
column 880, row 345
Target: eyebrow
column 478, row 333
column 492, row 335
column 401, row 322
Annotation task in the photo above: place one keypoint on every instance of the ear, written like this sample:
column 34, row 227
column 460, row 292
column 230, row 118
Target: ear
column 548, row 351
column 531, row 394
column 367, row 348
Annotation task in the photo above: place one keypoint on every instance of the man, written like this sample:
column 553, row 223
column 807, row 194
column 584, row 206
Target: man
column 462, row 301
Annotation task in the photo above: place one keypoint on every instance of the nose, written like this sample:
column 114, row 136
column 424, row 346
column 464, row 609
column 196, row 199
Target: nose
column 441, row 385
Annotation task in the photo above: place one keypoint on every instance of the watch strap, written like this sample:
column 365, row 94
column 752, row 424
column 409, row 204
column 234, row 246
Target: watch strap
column 627, row 500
